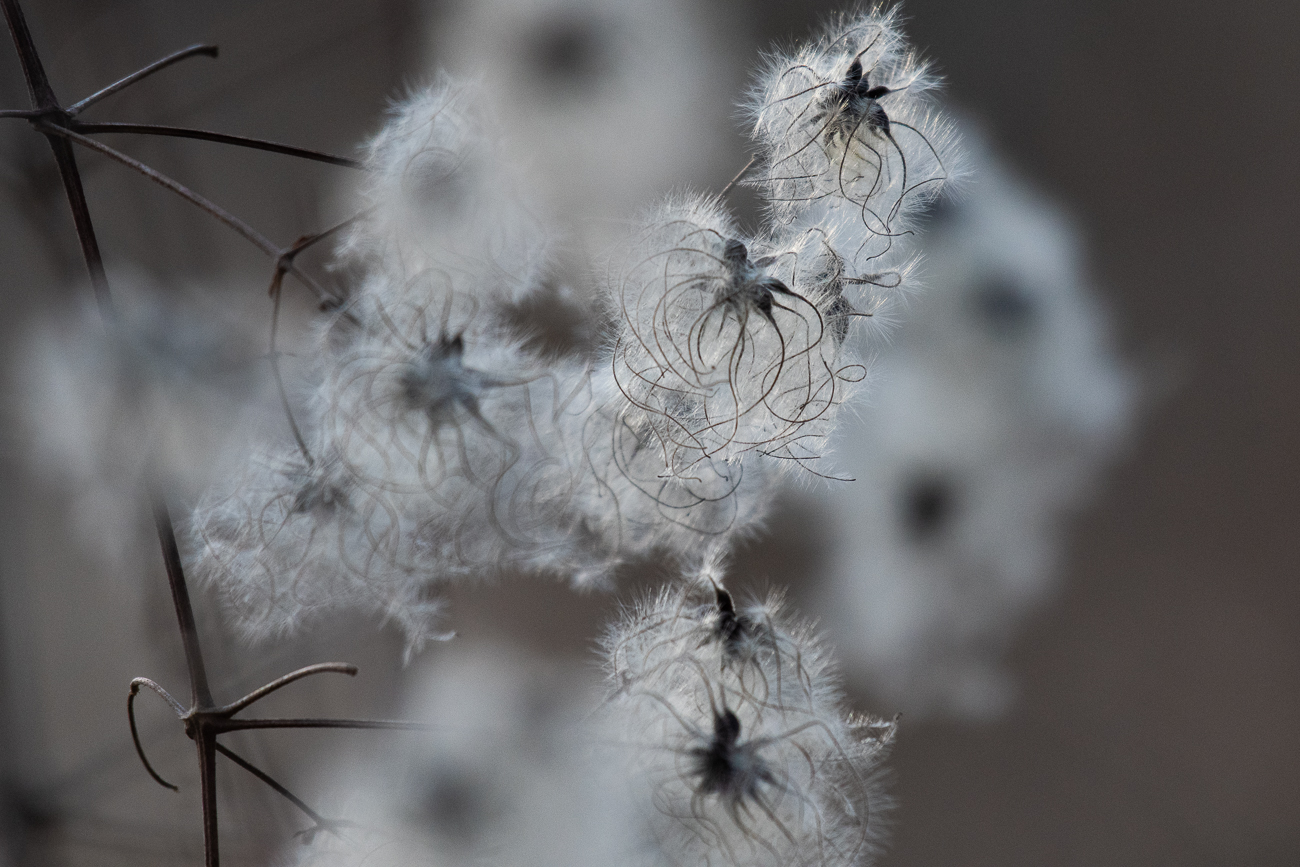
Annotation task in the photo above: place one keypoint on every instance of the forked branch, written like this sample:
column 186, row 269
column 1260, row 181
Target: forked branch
column 203, row 720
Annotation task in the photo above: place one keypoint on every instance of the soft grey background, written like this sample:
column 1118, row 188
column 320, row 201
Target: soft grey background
column 1161, row 691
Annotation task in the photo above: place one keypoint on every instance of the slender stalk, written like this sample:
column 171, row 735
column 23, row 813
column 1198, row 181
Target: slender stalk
column 207, row 746
column 123, row 83
column 38, row 83
column 71, row 177
column 282, row 264
column 220, row 138
column 236, row 725
column 135, row 732
column 276, row 291
column 202, row 692
column 281, row 682
column 253, row 236
column 176, row 706
column 749, row 165
column 273, row 783
column 45, row 102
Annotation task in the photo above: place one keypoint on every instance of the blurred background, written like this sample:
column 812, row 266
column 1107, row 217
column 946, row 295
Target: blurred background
column 1155, row 693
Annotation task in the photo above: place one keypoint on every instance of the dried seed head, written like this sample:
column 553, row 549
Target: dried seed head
column 845, row 127
column 994, row 406
column 441, row 200
column 721, row 352
column 741, row 759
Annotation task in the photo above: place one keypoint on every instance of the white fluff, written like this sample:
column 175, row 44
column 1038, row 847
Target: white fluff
column 507, row 776
column 604, row 102
column 844, row 123
column 727, row 345
column 440, row 204
column 736, row 737
column 155, row 399
column 995, row 404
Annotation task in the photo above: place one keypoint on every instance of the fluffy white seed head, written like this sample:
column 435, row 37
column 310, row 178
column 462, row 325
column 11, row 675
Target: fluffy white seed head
column 736, row 736
column 437, row 452
column 508, row 775
column 844, row 125
column 289, row 542
column 727, row 345
column 604, row 102
column 995, row 405
column 441, row 206
column 472, row 430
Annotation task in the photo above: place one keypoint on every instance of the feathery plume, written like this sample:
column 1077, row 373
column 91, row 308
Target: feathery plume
column 738, row 741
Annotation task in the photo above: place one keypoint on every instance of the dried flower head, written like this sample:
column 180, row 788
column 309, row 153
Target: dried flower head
column 508, row 774
column 722, row 345
column 290, row 542
column 736, row 735
column 441, row 202
column 843, row 123
column 995, row 405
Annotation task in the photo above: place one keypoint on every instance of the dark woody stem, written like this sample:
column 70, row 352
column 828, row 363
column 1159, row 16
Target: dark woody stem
column 140, row 74
column 220, row 138
column 203, row 720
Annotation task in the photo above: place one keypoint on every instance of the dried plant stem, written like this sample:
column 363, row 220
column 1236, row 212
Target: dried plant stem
column 283, row 263
column 220, row 138
column 44, row 102
column 739, row 175
column 321, row 823
column 237, row 725
column 254, row 237
column 201, row 691
column 140, row 74
column 203, row 720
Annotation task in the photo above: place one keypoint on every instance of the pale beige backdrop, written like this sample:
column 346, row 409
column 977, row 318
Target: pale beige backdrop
column 1160, row 692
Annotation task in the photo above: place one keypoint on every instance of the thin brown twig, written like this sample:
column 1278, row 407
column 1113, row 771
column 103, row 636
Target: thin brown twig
column 135, row 732
column 282, row 264
column 201, row 691
column 280, row 682
column 306, row 241
column 274, row 784
column 219, row 138
column 239, row 725
column 731, row 183
column 279, row 378
column 207, row 747
column 44, row 102
column 203, row 720
column 253, row 236
column 123, row 83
